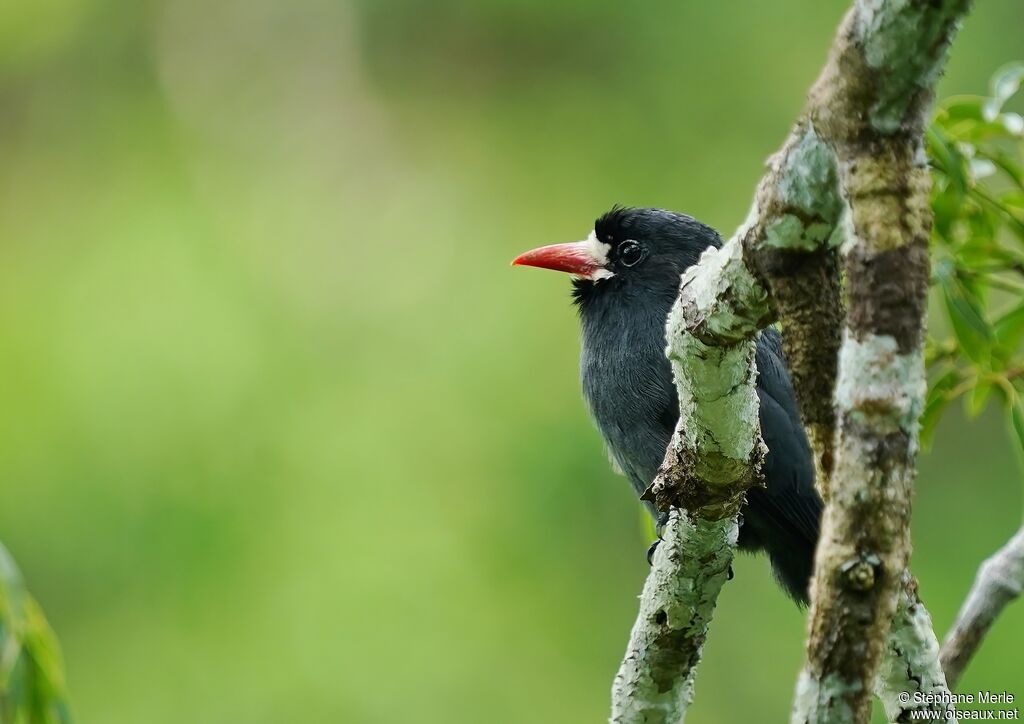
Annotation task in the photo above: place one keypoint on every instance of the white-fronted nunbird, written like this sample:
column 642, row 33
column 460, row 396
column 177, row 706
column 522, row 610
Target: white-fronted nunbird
column 626, row 278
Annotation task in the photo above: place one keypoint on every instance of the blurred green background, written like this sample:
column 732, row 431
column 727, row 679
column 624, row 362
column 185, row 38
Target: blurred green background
column 283, row 438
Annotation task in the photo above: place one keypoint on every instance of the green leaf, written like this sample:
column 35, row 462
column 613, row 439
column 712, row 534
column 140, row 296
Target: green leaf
column 32, row 689
column 946, row 205
column 1009, row 328
column 1005, row 83
column 1013, row 201
column 50, row 700
column 997, row 205
column 967, row 319
column 981, row 229
column 965, row 119
column 948, row 159
column 975, row 402
column 1007, row 163
column 930, row 421
column 936, row 402
column 956, row 109
column 1017, row 423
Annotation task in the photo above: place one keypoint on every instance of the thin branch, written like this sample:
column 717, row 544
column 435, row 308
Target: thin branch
column 999, row 581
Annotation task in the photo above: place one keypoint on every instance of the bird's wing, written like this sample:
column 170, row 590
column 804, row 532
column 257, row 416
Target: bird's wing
column 789, row 468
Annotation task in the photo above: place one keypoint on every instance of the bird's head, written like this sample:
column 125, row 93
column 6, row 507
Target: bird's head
column 634, row 253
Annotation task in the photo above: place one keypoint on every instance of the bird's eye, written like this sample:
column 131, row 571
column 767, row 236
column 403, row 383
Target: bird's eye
column 630, row 252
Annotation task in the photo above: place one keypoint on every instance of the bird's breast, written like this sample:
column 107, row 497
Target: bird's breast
column 627, row 383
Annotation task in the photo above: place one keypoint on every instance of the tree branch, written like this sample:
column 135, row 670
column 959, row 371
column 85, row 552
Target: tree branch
column 870, row 104
column 655, row 681
column 714, row 456
column 999, row 581
column 790, row 243
column 911, row 664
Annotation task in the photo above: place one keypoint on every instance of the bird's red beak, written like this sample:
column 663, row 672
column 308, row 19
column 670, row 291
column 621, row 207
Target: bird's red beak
column 579, row 257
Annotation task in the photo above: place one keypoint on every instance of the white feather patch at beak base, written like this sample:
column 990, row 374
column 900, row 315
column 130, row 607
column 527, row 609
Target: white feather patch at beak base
column 599, row 251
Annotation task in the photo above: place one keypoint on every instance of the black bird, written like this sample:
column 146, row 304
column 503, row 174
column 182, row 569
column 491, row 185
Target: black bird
column 626, row 277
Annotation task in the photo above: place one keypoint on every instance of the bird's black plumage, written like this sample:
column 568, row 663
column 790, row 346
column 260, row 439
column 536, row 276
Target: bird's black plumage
column 628, row 383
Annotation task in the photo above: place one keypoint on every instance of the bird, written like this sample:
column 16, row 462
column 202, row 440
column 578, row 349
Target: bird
column 626, row 276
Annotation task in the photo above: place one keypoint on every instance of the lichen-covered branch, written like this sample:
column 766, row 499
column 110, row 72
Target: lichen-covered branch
column 789, row 241
column 715, row 455
column 716, row 451
column 910, row 664
column 999, row 581
column 870, row 104
column 655, row 681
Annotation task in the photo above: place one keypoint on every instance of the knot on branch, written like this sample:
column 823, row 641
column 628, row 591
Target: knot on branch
column 859, row 574
column 717, row 495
